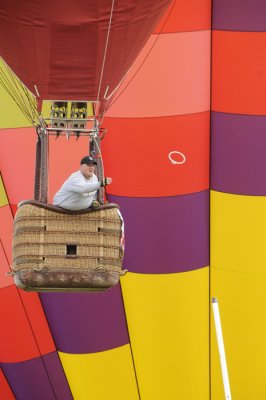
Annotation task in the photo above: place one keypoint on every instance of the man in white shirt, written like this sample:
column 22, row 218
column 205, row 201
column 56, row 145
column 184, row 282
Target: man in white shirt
column 79, row 191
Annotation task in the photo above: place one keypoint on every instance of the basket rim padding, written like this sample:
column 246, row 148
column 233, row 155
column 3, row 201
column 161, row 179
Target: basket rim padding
column 61, row 210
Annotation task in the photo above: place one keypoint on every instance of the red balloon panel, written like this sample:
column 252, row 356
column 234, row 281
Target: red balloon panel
column 136, row 153
column 186, row 16
column 17, row 162
column 24, row 332
column 6, row 231
column 4, row 268
column 238, row 72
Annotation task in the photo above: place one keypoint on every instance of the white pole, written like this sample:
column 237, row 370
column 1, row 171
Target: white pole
column 220, row 341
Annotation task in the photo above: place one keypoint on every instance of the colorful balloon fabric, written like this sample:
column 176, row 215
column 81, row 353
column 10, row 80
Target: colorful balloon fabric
column 190, row 108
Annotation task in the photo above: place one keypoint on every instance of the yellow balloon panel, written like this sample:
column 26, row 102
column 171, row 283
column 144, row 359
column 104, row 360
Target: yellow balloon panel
column 11, row 115
column 107, row 375
column 238, row 232
column 242, row 304
column 168, row 320
column 3, row 196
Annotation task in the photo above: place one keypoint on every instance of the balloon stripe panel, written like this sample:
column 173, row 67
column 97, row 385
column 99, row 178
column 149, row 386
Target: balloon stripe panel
column 86, row 322
column 5, row 390
column 238, row 153
column 25, row 333
column 3, row 196
column 238, row 232
column 105, row 375
column 238, row 15
column 190, row 15
column 64, row 158
column 6, row 231
column 168, row 322
column 163, row 87
column 4, row 268
column 40, row 378
column 38, row 321
column 17, row 161
column 238, row 72
column 145, row 148
column 6, row 227
column 165, row 235
column 242, row 304
column 11, row 115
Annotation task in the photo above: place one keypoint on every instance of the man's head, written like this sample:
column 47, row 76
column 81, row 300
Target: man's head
column 87, row 166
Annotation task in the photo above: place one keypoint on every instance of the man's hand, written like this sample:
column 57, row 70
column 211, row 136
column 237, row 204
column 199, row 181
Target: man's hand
column 95, row 204
column 106, row 181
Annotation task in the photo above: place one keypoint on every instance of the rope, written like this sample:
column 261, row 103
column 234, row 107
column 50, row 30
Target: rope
column 31, row 104
column 23, row 98
column 13, row 94
column 105, row 50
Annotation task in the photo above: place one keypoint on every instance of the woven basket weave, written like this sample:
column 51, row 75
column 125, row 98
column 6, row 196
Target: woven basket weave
column 55, row 250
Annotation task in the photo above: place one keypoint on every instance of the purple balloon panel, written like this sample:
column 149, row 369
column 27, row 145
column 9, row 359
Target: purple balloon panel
column 238, row 154
column 239, row 15
column 41, row 378
column 165, row 234
column 84, row 323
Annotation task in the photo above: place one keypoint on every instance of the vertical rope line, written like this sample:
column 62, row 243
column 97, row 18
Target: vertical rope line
column 32, row 103
column 11, row 92
column 19, row 86
column 105, row 50
column 8, row 79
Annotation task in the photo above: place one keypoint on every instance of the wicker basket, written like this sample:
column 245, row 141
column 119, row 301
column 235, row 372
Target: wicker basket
column 59, row 250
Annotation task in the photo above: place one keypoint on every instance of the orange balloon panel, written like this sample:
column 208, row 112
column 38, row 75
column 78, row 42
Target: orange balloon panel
column 192, row 15
column 173, row 80
column 17, row 162
column 238, row 72
column 136, row 154
column 4, row 268
column 24, row 332
column 6, row 230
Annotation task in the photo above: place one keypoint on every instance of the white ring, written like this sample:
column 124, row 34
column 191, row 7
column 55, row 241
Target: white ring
column 174, row 161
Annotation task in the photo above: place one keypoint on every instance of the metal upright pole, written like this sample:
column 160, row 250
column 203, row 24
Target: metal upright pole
column 220, row 341
column 44, row 165
column 37, row 180
column 95, row 151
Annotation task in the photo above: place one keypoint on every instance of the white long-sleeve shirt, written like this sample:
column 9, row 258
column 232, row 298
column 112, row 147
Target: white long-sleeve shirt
column 77, row 192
